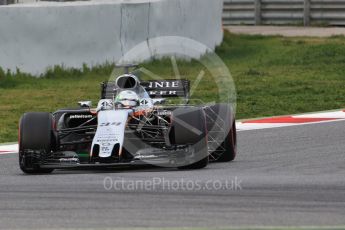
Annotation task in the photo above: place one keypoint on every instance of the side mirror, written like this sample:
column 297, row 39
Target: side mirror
column 158, row 101
column 85, row 104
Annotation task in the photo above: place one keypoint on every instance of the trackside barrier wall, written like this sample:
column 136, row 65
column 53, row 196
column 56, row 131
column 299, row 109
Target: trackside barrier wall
column 291, row 12
column 36, row 36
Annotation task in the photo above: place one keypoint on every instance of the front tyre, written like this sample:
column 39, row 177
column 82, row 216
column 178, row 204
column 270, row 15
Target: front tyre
column 197, row 165
column 36, row 141
column 189, row 127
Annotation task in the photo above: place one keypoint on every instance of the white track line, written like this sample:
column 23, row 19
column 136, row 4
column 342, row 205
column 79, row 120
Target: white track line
column 8, row 149
column 333, row 114
column 247, row 127
column 291, row 120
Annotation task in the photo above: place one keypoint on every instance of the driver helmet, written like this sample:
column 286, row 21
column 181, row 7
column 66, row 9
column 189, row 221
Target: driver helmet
column 127, row 99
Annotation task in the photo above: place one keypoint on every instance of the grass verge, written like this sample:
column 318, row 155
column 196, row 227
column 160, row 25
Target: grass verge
column 273, row 75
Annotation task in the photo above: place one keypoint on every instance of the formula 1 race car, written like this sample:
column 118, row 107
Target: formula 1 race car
column 132, row 125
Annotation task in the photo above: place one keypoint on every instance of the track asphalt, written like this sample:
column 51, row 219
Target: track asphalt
column 287, row 176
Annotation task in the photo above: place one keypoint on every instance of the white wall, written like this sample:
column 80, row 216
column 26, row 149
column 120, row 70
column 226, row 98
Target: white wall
column 38, row 35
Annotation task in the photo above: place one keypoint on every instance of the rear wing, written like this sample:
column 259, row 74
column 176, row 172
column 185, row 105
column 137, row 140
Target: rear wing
column 155, row 88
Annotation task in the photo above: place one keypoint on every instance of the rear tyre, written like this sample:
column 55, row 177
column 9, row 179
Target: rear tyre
column 36, row 141
column 223, row 115
column 189, row 127
column 230, row 146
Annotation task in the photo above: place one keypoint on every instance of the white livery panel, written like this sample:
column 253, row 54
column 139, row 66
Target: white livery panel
column 110, row 130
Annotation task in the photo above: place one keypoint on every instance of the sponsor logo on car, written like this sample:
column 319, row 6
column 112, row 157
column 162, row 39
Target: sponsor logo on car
column 164, row 84
column 164, row 113
column 110, row 124
column 80, row 116
column 164, row 92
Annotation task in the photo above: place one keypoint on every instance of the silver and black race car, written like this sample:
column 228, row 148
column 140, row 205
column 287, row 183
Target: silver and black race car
column 131, row 125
